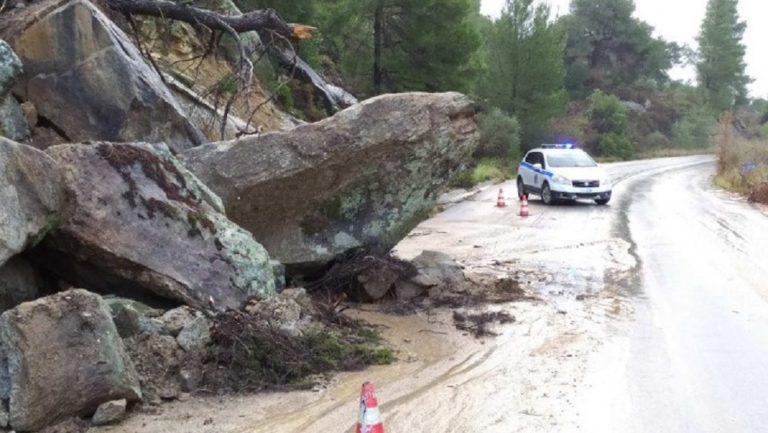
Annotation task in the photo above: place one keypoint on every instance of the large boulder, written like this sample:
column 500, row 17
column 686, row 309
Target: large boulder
column 141, row 222
column 88, row 79
column 364, row 177
column 62, row 357
column 31, row 197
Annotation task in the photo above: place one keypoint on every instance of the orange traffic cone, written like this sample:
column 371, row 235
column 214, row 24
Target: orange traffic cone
column 369, row 420
column 524, row 206
column 500, row 201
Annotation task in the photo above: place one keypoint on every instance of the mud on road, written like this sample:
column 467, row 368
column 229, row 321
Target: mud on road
column 578, row 260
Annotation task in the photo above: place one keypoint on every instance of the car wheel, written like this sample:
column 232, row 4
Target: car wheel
column 520, row 188
column 546, row 194
column 602, row 201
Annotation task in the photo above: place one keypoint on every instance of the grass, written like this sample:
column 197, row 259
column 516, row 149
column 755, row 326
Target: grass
column 732, row 177
column 484, row 170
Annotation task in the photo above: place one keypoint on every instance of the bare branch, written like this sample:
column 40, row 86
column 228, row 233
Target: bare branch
column 258, row 20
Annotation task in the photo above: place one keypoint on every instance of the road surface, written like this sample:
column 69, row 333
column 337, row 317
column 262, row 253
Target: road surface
column 695, row 357
column 654, row 319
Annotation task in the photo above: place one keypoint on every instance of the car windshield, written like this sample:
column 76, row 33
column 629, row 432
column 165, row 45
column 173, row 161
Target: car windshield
column 570, row 158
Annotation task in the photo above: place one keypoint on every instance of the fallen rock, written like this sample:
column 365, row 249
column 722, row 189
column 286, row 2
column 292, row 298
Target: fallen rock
column 436, row 272
column 31, row 197
column 364, row 177
column 158, row 359
column 10, row 68
column 175, row 320
column 141, row 222
column 13, row 124
column 437, row 268
column 65, row 343
column 407, row 290
column 127, row 320
column 195, row 334
column 375, row 282
column 88, row 79
column 289, row 312
column 110, row 412
column 19, row 282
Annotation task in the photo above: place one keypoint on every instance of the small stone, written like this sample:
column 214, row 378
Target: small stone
column 195, row 335
column 110, row 412
column 127, row 320
column 175, row 320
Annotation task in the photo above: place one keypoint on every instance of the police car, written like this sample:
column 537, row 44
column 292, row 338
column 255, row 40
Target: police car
column 562, row 172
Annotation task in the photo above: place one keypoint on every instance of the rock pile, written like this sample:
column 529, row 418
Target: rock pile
column 125, row 239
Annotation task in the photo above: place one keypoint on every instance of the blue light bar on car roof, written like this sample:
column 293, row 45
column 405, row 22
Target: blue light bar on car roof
column 558, row 146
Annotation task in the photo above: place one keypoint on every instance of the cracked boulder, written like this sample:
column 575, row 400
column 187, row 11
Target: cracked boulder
column 62, row 357
column 31, row 197
column 140, row 223
column 89, row 81
column 364, row 177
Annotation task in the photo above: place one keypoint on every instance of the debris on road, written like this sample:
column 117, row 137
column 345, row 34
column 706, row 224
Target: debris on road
column 477, row 324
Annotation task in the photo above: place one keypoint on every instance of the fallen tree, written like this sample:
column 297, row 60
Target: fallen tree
column 276, row 35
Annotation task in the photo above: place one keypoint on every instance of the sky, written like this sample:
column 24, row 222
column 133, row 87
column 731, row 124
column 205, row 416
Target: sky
column 679, row 21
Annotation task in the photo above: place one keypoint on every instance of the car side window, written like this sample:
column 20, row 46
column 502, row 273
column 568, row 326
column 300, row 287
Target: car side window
column 535, row 158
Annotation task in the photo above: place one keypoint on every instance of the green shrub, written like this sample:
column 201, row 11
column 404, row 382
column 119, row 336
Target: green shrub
column 227, row 85
column 764, row 131
column 610, row 120
column 617, row 145
column 655, row 140
column 484, row 170
column 499, row 136
column 694, row 129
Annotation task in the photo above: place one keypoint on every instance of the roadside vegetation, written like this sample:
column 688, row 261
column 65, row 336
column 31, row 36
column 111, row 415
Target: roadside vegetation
column 742, row 162
column 596, row 76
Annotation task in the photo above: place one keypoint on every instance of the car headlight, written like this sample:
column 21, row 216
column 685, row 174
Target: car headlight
column 561, row 180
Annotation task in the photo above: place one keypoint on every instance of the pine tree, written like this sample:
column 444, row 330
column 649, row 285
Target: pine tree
column 525, row 77
column 721, row 68
column 401, row 45
column 609, row 49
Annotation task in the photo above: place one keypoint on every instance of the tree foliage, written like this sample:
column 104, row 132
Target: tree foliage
column 610, row 120
column 401, row 45
column 525, row 71
column 499, row 136
column 609, row 48
column 721, row 68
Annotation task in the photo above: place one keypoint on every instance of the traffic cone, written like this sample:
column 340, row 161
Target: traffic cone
column 500, row 201
column 524, row 206
column 369, row 420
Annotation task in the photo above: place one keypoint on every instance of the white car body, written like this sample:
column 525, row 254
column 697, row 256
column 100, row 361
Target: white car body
column 561, row 172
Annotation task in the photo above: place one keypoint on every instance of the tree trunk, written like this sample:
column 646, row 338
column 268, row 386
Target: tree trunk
column 378, row 27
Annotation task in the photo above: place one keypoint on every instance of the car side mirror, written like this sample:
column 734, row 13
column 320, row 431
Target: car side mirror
column 537, row 166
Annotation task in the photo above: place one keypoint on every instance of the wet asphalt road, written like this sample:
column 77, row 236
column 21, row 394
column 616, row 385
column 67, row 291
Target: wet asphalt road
column 694, row 355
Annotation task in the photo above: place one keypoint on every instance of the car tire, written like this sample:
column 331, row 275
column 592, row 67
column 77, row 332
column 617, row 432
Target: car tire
column 546, row 194
column 602, row 201
column 520, row 188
